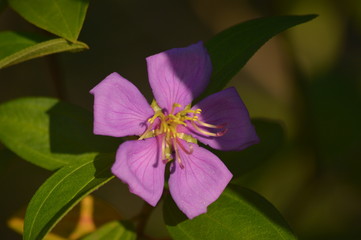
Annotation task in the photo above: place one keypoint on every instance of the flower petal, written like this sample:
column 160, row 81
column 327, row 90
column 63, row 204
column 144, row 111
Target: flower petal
column 226, row 108
column 138, row 164
column 179, row 75
column 119, row 108
column 200, row 182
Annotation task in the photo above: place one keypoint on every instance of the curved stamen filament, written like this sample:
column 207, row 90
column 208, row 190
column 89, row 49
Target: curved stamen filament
column 164, row 157
column 218, row 134
column 210, row 125
column 190, row 151
column 177, row 156
column 147, row 131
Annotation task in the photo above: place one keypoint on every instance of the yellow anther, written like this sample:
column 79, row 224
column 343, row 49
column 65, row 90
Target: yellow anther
column 187, row 107
column 175, row 105
column 198, row 110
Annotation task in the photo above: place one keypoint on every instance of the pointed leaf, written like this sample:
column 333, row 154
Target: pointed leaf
column 62, row 191
column 50, row 133
column 231, row 49
column 19, row 47
column 115, row 231
column 238, row 214
column 62, row 17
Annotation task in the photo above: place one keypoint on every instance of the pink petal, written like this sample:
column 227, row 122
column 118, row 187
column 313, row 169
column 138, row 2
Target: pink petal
column 119, row 108
column 226, row 108
column 179, row 75
column 139, row 165
column 200, row 182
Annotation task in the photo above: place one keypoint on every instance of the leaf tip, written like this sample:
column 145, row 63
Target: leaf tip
column 310, row 16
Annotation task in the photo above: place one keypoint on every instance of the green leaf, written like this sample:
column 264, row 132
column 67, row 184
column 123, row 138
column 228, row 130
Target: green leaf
column 62, row 17
column 238, row 214
column 272, row 138
column 116, row 230
column 50, row 133
column 19, row 47
column 62, row 191
column 231, row 49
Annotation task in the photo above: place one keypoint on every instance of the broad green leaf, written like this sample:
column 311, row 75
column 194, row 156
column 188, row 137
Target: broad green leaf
column 62, row 17
column 19, row 47
column 50, row 133
column 272, row 138
column 231, row 49
column 238, row 214
column 115, row 231
column 62, row 191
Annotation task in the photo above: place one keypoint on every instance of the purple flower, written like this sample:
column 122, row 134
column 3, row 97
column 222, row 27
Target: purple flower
column 170, row 127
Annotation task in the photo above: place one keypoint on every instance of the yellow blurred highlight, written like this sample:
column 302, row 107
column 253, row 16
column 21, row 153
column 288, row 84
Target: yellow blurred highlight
column 83, row 219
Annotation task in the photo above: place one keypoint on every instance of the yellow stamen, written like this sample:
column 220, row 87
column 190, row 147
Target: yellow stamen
column 167, row 128
column 210, row 125
column 204, row 132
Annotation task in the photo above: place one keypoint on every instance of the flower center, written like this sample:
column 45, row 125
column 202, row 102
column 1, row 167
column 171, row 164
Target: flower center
column 166, row 125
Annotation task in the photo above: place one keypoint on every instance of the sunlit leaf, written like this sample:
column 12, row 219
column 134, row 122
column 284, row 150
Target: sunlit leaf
column 19, row 47
column 62, row 191
column 231, row 49
column 238, row 214
column 50, row 133
column 115, row 231
column 62, row 17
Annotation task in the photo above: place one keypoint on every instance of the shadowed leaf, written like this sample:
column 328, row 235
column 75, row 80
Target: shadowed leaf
column 62, row 191
column 272, row 138
column 50, row 133
column 231, row 49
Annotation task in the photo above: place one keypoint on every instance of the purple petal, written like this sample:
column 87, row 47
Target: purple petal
column 179, row 75
column 139, row 165
column 226, row 108
column 119, row 108
column 200, row 182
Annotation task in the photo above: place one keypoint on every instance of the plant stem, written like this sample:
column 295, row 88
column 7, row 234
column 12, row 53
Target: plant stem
column 142, row 218
column 56, row 77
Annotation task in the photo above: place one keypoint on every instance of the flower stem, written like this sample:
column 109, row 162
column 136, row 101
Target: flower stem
column 142, row 218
